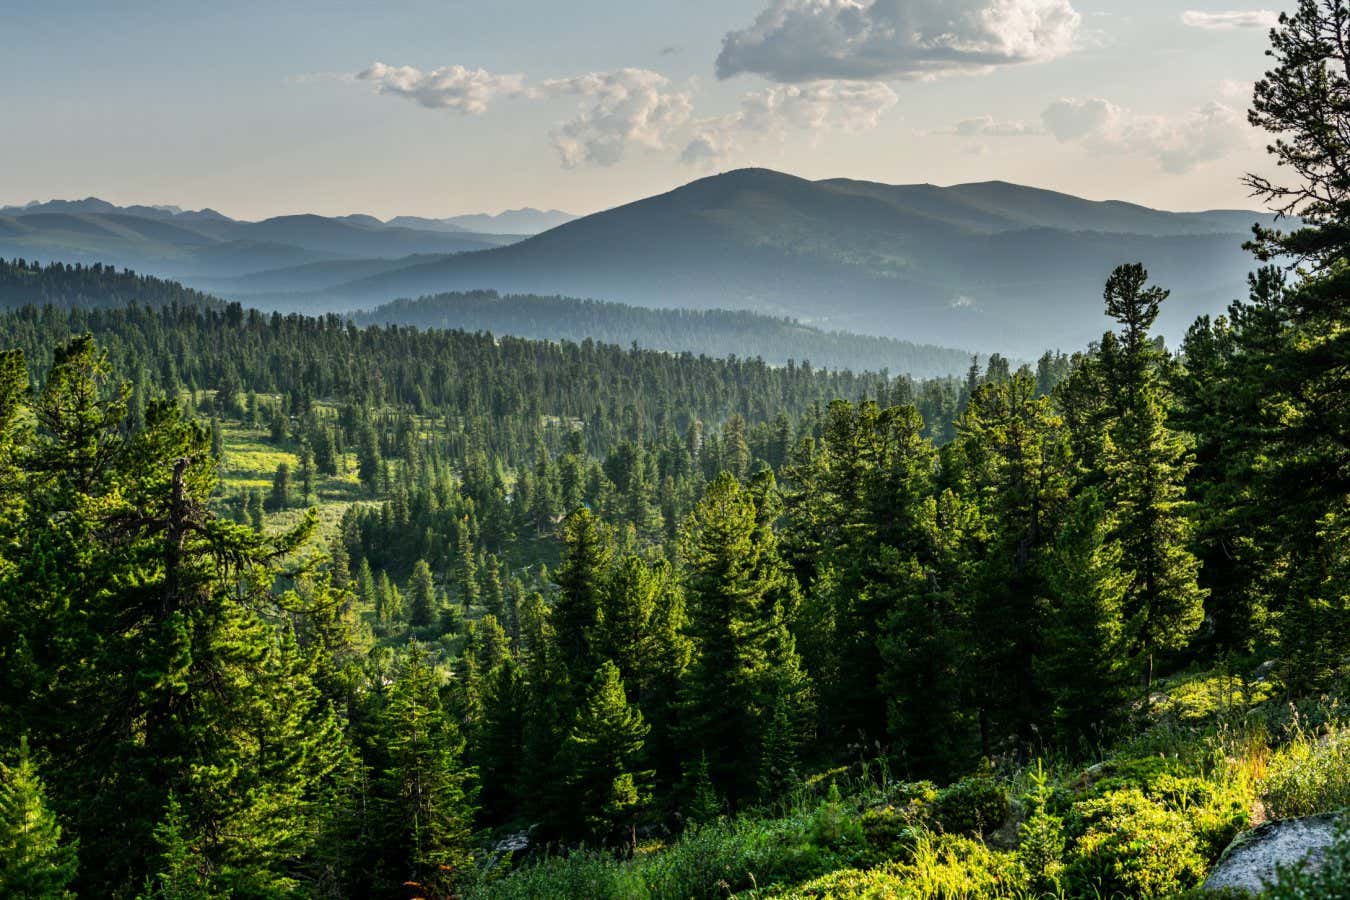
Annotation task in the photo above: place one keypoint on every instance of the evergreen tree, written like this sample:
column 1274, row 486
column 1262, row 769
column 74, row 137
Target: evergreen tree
column 1146, row 463
column 35, row 862
column 606, row 779
column 426, row 791
column 1083, row 665
column 281, row 487
column 422, row 603
column 581, row 578
column 734, row 574
column 1290, row 371
column 180, row 875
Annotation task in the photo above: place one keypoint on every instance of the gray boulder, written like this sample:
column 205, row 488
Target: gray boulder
column 1250, row 861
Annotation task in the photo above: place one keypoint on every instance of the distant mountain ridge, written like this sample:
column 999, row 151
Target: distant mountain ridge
column 991, row 265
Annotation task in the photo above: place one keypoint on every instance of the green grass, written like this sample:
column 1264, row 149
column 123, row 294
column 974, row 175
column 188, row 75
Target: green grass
column 1150, row 820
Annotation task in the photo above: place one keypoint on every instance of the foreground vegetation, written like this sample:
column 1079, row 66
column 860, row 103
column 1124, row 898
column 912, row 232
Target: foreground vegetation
column 503, row 600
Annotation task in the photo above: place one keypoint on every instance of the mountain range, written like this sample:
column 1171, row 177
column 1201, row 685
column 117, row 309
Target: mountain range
column 207, row 244
column 992, row 266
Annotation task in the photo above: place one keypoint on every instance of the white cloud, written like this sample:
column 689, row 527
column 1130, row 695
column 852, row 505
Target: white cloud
column 776, row 113
column 988, row 126
column 805, row 40
column 1177, row 143
column 452, row 87
column 618, row 109
column 1231, row 20
column 1231, row 87
column 1069, row 118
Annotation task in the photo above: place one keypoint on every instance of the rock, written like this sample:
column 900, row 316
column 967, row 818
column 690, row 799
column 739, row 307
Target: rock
column 1250, row 861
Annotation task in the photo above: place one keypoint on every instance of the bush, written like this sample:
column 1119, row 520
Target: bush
column 943, row 867
column 1309, row 775
column 972, row 806
column 1132, row 846
column 833, row 825
column 889, row 834
column 1217, row 810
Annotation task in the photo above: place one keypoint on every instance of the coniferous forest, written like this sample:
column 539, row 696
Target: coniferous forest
column 293, row 607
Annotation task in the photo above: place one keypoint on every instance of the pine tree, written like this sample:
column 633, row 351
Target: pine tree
column 734, row 577
column 500, row 748
column 466, row 568
column 1146, row 463
column 181, row 873
column 1290, row 370
column 581, row 579
column 607, row 782
column 1083, row 665
column 35, row 862
column 422, row 602
column 426, row 791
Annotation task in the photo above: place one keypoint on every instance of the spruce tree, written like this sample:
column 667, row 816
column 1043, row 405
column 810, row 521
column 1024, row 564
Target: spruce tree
column 734, row 576
column 1083, row 666
column 606, row 780
column 1146, row 463
column 422, row 602
column 426, row 790
column 1290, row 372
column 581, row 578
column 36, row 863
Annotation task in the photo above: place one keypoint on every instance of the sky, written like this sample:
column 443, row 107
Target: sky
column 406, row 107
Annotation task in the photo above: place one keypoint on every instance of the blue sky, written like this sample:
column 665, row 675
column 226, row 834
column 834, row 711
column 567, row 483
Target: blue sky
column 260, row 109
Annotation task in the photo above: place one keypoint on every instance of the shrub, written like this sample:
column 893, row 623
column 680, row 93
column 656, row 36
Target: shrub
column 833, row 825
column 972, row 806
column 953, row 867
column 1309, row 775
column 1132, row 846
column 1041, row 838
column 1216, row 809
column 944, row 867
column 889, row 834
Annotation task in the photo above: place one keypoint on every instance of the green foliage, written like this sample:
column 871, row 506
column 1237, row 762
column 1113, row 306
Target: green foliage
column 36, row 862
column 1310, row 774
column 972, row 806
column 942, row 867
column 607, row 788
column 1041, row 838
column 1128, row 845
column 425, row 791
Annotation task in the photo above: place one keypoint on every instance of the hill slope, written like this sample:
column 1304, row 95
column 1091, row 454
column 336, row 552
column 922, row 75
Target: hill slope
column 715, row 332
column 991, row 265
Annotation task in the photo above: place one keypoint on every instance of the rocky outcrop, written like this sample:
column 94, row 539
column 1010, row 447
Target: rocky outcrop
column 1250, row 862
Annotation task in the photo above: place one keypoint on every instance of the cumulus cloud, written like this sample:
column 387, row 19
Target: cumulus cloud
column 455, row 88
column 618, row 110
column 1231, row 20
column 1069, row 118
column 1177, row 143
column 778, row 112
column 988, row 126
column 805, row 40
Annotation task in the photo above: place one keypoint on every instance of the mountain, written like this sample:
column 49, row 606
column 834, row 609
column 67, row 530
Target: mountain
column 512, row 221
column 206, row 244
column 715, row 332
column 994, row 266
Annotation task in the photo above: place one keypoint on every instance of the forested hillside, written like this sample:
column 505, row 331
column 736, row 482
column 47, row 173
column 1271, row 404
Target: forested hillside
column 25, row 283
column 290, row 607
column 715, row 332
